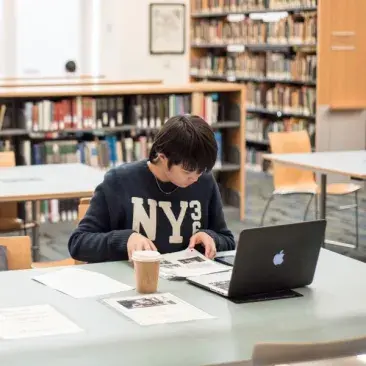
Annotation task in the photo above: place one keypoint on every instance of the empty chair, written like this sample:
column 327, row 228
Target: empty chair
column 290, row 181
column 18, row 251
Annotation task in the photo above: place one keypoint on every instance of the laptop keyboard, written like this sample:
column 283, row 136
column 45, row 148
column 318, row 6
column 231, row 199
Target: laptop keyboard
column 223, row 285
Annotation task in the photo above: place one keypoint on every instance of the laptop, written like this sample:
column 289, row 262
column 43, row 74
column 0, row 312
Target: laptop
column 269, row 262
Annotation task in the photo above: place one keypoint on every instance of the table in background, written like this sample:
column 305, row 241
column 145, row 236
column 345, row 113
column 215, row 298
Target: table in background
column 332, row 307
column 46, row 182
column 348, row 163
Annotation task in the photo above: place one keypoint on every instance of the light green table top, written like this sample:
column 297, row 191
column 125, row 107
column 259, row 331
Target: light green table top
column 333, row 307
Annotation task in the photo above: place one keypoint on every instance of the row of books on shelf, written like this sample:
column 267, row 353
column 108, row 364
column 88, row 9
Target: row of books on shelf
column 216, row 6
column 55, row 211
column 280, row 98
column 102, row 112
column 100, row 153
column 289, row 30
column 276, row 66
column 113, row 112
column 257, row 129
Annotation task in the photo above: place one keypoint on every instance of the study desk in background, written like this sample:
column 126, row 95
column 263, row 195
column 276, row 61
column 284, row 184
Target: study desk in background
column 45, row 182
column 348, row 163
column 333, row 307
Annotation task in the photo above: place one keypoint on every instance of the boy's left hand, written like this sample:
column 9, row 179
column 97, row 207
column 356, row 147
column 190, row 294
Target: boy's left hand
column 206, row 241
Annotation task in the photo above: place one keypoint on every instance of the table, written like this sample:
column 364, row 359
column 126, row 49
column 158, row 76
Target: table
column 349, row 163
column 45, row 182
column 333, row 307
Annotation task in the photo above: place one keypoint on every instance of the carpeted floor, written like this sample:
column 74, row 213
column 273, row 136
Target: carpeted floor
column 340, row 226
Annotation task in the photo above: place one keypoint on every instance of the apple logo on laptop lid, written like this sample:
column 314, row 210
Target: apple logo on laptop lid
column 278, row 258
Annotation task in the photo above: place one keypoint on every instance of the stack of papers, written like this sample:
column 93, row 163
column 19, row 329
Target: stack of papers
column 80, row 283
column 188, row 263
column 156, row 309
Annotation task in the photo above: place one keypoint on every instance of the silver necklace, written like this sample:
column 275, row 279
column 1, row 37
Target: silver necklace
column 157, row 183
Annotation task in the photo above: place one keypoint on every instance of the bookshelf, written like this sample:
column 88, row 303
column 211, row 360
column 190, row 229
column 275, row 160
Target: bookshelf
column 271, row 47
column 107, row 125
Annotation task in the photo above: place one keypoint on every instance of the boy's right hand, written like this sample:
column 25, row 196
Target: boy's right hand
column 137, row 241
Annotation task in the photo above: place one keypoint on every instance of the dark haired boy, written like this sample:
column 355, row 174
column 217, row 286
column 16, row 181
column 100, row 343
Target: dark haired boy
column 167, row 203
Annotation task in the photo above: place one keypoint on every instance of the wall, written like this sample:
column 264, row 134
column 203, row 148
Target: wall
column 125, row 44
column 104, row 37
column 40, row 36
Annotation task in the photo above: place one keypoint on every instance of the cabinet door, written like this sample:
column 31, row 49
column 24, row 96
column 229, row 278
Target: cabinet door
column 342, row 53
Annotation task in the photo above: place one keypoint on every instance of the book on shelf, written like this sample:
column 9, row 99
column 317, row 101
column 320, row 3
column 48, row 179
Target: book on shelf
column 257, row 128
column 103, row 112
column 248, row 65
column 281, row 98
column 217, row 6
column 293, row 29
column 255, row 161
column 288, row 4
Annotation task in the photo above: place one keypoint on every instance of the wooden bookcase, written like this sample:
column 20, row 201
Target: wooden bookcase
column 270, row 46
column 142, row 104
column 336, row 52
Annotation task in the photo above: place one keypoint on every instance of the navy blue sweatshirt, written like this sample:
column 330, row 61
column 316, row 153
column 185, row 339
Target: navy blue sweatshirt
column 129, row 200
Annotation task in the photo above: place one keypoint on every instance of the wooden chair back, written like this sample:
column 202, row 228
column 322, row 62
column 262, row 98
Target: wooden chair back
column 8, row 209
column 83, row 207
column 285, row 143
column 18, row 251
column 265, row 354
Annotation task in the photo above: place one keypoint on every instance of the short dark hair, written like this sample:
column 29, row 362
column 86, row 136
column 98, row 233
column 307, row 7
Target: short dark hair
column 187, row 140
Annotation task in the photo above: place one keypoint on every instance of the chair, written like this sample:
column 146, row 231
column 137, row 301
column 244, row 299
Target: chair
column 18, row 251
column 9, row 221
column 289, row 181
column 19, row 254
column 266, row 354
column 83, row 207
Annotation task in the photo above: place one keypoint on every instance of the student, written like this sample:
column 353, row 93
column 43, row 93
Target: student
column 167, row 203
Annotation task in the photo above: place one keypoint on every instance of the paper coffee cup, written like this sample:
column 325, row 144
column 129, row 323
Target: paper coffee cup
column 147, row 265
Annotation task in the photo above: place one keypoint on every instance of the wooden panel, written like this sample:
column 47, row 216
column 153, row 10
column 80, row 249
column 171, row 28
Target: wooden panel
column 236, row 180
column 342, row 54
column 120, row 89
column 71, row 81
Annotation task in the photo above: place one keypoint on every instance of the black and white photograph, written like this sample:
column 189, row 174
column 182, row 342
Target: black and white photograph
column 160, row 308
column 166, row 264
column 191, row 260
column 167, row 28
column 145, row 302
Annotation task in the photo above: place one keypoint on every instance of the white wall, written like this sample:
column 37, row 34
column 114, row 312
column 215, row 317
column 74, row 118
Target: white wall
column 108, row 37
column 125, row 44
column 44, row 35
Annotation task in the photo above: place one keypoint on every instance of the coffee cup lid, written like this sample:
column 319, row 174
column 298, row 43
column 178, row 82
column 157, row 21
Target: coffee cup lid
column 146, row 256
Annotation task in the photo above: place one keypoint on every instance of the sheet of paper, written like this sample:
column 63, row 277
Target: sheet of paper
column 157, row 309
column 188, row 263
column 34, row 321
column 80, row 283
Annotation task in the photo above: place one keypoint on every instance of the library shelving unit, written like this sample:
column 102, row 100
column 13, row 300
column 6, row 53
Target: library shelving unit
column 270, row 45
column 106, row 125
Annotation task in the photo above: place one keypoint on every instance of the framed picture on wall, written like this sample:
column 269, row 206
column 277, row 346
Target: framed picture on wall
column 167, row 28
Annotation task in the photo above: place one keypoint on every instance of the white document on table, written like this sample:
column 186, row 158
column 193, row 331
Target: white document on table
column 34, row 321
column 156, row 309
column 80, row 283
column 188, row 263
